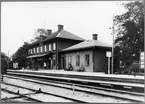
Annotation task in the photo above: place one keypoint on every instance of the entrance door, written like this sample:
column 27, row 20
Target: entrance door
column 63, row 62
column 49, row 63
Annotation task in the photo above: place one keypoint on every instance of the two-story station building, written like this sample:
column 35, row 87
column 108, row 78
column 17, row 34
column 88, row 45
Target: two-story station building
column 91, row 54
column 46, row 51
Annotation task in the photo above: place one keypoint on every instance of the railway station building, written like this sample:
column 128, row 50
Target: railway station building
column 91, row 54
column 46, row 52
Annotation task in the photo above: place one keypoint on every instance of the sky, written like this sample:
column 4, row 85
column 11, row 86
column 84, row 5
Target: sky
column 19, row 20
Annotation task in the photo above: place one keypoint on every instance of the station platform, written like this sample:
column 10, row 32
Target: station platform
column 86, row 75
column 121, row 82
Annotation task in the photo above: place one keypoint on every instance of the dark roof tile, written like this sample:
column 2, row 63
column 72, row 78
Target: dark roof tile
column 60, row 34
column 68, row 35
column 87, row 44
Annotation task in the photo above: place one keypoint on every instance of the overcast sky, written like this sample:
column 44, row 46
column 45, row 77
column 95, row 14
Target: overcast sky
column 19, row 20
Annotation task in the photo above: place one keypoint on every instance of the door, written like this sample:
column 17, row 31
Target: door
column 49, row 63
column 63, row 60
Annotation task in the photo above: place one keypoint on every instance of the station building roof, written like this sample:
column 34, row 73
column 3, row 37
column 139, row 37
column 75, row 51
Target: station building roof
column 88, row 44
column 60, row 34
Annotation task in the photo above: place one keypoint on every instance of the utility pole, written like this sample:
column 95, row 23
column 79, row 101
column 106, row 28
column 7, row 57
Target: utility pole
column 8, row 59
column 112, row 46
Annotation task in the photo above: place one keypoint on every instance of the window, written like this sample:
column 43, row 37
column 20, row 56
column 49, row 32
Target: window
column 87, row 60
column 45, row 48
column 37, row 49
column 69, row 59
column 77, row 60
column 54, row 46
column 34, row 50
column 49, row 47
column 41, row 49
column 29, row 52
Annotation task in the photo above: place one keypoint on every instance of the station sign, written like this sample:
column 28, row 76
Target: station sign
column 108, row 54
column 15, row 65
column 142, row 59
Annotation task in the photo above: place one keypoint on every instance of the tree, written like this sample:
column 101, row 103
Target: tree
column 130, row 33
column 21, row 54
column 4, row 62
column 3, row 55
column 38, row 33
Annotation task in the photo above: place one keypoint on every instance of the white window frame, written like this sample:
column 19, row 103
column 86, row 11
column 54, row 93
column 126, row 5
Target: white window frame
column 31, row 51
column 77, row 60
column 49, row 47
column 37, row 49
column 54, row 46
column 34, row 50
column 70, row 59
column 87, row 60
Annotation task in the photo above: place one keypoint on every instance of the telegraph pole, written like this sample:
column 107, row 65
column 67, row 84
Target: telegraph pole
column 112, row 46
column 8, row 59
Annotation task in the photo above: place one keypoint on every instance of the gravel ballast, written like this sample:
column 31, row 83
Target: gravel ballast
column 65, row 92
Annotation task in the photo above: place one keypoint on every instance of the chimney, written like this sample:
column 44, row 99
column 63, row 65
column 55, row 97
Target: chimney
column 95, row 36
column 60, row 27
column 49, row 31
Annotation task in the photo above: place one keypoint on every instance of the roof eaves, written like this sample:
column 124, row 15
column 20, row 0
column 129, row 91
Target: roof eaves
column 93, row 46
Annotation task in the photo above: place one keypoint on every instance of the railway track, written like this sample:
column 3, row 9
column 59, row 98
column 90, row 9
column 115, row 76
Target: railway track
column 19, row 96
column 35, row 92
column 116, row 94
